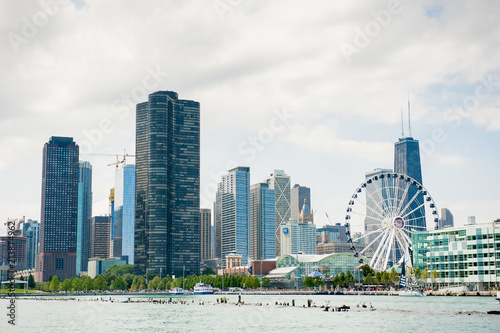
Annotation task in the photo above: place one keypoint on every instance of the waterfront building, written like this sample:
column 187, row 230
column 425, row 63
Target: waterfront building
column 100, row 266
column 218, row 222
column 280, row 183
column 206, row 230
column 17, row 254
column 234, row 196
column 465, row 255
column 299, row 235
column 84, row 216
column 31, row 230
column 297, row 196
column 302, row 265
column 59, row 210
column 262, row 223
column 100, row 236
column 471, row 220
column 123, row 218
column 331, row 233
column 167, row 205
column 446, row 218
column 336, row 247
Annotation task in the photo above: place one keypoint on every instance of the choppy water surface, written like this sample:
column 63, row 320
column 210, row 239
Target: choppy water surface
column 392, row 314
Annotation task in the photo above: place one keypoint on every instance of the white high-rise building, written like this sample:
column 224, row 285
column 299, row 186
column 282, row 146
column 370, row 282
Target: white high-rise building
column 299, row 235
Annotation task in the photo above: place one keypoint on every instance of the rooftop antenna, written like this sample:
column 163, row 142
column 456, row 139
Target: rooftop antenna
column 402, row 126
column 409, row 118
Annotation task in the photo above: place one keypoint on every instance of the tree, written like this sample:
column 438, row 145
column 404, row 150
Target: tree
column 118, row 284
column 118, row 269
column 21, row 278
column 393, row 276
column 350, row 278
column 153, row 284
column 367, row 270
column 87, row 283
column 100, row 283
column 109, row 277
column 434, row 276
column 337, row 280
column 309, row 282
column 425, row 275
column 66, row 285
column 208, row 271
column 55, row 284
column 368, row 279
column 77, row 284
column 142, row 283
column 266, row 282
column 31, row 282
column 151, row 275
column 418, row 274
column 128, row 279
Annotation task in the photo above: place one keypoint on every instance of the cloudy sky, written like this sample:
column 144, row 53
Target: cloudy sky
column 311, row 87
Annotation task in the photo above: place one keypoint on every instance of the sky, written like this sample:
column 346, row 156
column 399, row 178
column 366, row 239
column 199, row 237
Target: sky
column 314, row 88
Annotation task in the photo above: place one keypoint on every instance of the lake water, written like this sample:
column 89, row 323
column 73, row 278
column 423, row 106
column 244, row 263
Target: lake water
column 393, row 314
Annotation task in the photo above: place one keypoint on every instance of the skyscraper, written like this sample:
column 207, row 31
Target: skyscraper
column 31, row 230
column 167, row 205
column 206, row 231
column 124, row 212
column 100, row 229
column 280, row 183
column 446, row 218
column 297, row 195
column 59, row 213
column 235, row 213
column 299, row 235
column 262, row 223
column 218, row 222
column 84, row 216
column 407, row 162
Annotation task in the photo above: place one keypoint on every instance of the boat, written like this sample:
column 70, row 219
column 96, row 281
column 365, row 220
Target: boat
column 177, row 291
column 203, row 289
column 404, row 290
column 498, row 296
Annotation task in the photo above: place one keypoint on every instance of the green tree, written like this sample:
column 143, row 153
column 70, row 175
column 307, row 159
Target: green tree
column 118, row 284
column 350, row 278
column 55, row 284
column 161, row 285
column 119, row 270
column 368, row 279
column 393, row 276
column 100, row 283
column 434, row 276
column 318, row 281
column 151, row 275
column 337, row 280
column 109, row 277
column 367, row 270
column 21, row 278
column 385, row 278
column 378, row 278
column 128, row 279
column 425, row 275
column 31, row 282
column 87, row 284
column 77, row 284
column 266, row 282
column 309, row 282
column 153, row 284
column 66, row 285
column 208, row 271
column 142, row 283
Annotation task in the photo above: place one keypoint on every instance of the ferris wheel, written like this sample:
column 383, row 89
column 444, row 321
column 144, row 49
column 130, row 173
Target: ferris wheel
column 382, row 213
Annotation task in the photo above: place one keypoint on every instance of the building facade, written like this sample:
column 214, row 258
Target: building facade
column 13, row 250
column 299, row 235
column 100, row 237
column 235, row 213
column 59, row 210
column 280, row 183
column 446, row 218
column 297, row 196
column 124, row 212
column 167, row 205
column 84, row 216
column 206, row 233
column 31, row 230
column 218, row 222
column 466, row 255
column 262, row 222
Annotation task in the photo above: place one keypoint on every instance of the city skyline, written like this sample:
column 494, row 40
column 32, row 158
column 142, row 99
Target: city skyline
column 343, row 121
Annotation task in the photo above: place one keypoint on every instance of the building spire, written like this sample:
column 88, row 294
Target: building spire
column 409, row 116
column 402, row 126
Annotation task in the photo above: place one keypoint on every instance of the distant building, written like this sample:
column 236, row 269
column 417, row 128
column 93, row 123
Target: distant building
column 124, row 212
column 446, row 218
column 218, row 222
column 297, row 196
column 280, row 183
column 471, row 220
column 465, row 255
column 262, row 223
column 234, row 199
column 59, row 214
column 84, row 216
column 100, row 266
column 331, row 233
column 31, row 230
column 100, row 231
column 336, row 247
column 299, row 235
column 17, row 256
column 206, row 224
column 167, row 198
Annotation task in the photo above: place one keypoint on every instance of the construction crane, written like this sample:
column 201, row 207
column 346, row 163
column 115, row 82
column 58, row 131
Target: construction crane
column 118, row 161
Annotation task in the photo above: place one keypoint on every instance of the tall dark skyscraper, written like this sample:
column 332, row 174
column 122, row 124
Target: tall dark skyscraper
column 297, row 196
column 167, row 205
column 59, row 213
column 84, row 216
column 206, row 234
column 100, row 232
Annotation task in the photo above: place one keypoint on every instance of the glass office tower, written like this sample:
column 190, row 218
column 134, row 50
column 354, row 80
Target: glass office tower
column 84, row 216
column 262, row 222
column 124, row 212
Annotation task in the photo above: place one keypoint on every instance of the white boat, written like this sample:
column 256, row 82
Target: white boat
column 177, row 291
column 203, row 289
column 411, row 293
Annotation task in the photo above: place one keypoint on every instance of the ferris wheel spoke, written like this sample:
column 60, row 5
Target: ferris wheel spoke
column 380, row 193
column 381, row 210
column 397, row 190
column 401, row 202
column 367, row 207
column 422, row 205
column 379, row 248
column 373, row 241
column 388, row 249
column 379, row 257
column 409, row 203
column 388, row 194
